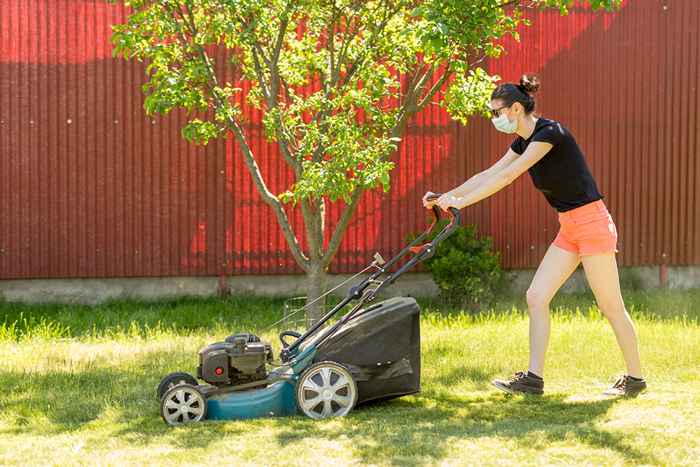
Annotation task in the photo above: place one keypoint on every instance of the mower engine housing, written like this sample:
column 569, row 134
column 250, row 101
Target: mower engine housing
column 241, row 358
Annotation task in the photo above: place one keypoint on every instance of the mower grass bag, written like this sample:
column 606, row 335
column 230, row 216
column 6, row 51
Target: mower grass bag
column 380, row 347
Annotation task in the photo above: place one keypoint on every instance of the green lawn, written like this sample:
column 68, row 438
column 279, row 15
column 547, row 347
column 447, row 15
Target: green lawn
column 78, row 388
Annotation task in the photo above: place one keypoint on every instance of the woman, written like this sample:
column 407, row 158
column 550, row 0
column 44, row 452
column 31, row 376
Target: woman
column 587, row 234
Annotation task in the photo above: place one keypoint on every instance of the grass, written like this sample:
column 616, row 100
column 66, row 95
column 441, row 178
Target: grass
column 78, row 388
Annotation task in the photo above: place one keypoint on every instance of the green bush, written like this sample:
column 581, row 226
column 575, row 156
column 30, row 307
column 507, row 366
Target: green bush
column 466, row 269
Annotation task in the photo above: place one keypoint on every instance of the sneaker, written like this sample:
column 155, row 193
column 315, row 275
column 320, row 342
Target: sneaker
column 520, row 382
column 626, row 386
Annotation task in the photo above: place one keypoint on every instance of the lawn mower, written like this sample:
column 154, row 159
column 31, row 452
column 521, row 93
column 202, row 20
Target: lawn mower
column 370, row 353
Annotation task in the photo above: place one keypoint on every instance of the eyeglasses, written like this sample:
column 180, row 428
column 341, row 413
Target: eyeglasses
column 496, row 112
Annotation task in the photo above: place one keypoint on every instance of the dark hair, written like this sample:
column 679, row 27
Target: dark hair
column 511, row 93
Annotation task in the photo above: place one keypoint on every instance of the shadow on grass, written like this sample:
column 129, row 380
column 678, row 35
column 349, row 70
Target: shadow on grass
column 480, row 378
column 423, row 430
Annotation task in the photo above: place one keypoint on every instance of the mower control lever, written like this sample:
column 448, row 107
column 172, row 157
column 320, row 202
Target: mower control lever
column 378, row 259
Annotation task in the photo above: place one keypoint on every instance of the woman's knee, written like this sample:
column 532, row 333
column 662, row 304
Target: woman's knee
column 613, row 309
column 537, row 299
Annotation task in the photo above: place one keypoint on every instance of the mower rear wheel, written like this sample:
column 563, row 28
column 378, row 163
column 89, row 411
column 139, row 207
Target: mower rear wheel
column 326, row 389
column 174, row 379
column 182, row 404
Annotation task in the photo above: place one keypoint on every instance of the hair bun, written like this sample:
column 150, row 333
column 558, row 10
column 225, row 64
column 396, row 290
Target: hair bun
column 529, row 84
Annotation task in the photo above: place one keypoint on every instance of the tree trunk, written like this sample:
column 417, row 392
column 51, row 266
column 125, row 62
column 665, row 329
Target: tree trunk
column 316, row 279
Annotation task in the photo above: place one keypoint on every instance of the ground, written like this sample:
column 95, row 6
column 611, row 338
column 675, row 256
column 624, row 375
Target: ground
column 78, row 387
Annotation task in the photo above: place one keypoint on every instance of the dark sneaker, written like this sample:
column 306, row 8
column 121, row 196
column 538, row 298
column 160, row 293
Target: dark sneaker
column 520, row 382
column 626, row 386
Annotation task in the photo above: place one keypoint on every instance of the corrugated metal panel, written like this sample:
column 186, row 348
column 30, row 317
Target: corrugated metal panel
column 92, row 187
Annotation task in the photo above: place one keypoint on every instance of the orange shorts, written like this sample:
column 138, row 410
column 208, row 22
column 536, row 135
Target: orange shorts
column 587, row 230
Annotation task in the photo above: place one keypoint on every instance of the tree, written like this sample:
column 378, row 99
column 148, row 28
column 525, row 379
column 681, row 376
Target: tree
column 336, row 81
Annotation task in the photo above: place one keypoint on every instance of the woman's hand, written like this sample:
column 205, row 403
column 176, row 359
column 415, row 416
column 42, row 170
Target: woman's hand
column 430, row 199
column 448, row 201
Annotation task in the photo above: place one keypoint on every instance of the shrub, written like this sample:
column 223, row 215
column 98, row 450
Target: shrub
column 466, row 269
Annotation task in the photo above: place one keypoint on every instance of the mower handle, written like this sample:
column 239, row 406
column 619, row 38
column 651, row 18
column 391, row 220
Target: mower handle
column 452, row 212
column 455, row 220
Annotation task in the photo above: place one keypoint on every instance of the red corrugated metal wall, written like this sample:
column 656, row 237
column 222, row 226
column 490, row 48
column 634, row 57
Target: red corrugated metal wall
column 92, row 187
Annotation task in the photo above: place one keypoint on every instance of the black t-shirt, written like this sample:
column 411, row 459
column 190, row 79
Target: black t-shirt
column 562, row 175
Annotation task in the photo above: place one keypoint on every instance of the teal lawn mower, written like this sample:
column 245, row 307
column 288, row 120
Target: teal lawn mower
column 370, row 353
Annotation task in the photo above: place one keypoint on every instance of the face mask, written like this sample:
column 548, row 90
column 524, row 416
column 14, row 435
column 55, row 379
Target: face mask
column 503, row 124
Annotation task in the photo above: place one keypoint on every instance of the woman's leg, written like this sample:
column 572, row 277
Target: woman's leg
column 602, row 276
column 555, row 268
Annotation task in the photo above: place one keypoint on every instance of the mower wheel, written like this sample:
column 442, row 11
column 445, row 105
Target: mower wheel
column 182, row 404
column 326, row 389
column 173, row 379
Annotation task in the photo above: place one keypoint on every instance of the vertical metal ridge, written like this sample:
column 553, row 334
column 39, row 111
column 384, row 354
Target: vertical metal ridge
column 32, row 123
column 23, row 88
column 176, row 219
column 113, row 153
column 154, row 181
column 662, row 162
column 104, row 240
column 5, row 192
column 7, row 242
column 647, row 224
column 694, row 221
column 672, row 234
column 139, row 160
column 128, row 183
column 681, row 251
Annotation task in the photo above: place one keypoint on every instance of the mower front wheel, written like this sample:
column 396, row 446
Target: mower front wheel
column 326, row 389
column 182, row 404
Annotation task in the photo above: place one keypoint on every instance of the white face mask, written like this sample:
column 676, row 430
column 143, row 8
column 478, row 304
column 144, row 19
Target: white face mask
column 503, row 124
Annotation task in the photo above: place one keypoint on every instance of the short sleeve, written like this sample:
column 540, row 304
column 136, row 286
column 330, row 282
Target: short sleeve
column 517, row 146
column 551, row 134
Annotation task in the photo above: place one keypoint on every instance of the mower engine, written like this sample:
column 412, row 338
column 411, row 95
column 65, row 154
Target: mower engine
column 240, row 359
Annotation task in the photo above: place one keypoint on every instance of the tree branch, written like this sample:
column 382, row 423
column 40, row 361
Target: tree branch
column 280, row 36
column 322, row 114
column 267, row 196
column 335, row 75
column 260, row 73
column 283, row 139
column 419, row 72
column 435, row 88
column 410, row 106
column 341, row 227
column 331, row 43
column 270, row 94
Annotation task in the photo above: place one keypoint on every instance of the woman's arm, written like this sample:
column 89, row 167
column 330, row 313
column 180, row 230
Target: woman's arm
column 479, row 178
column 497, row 179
